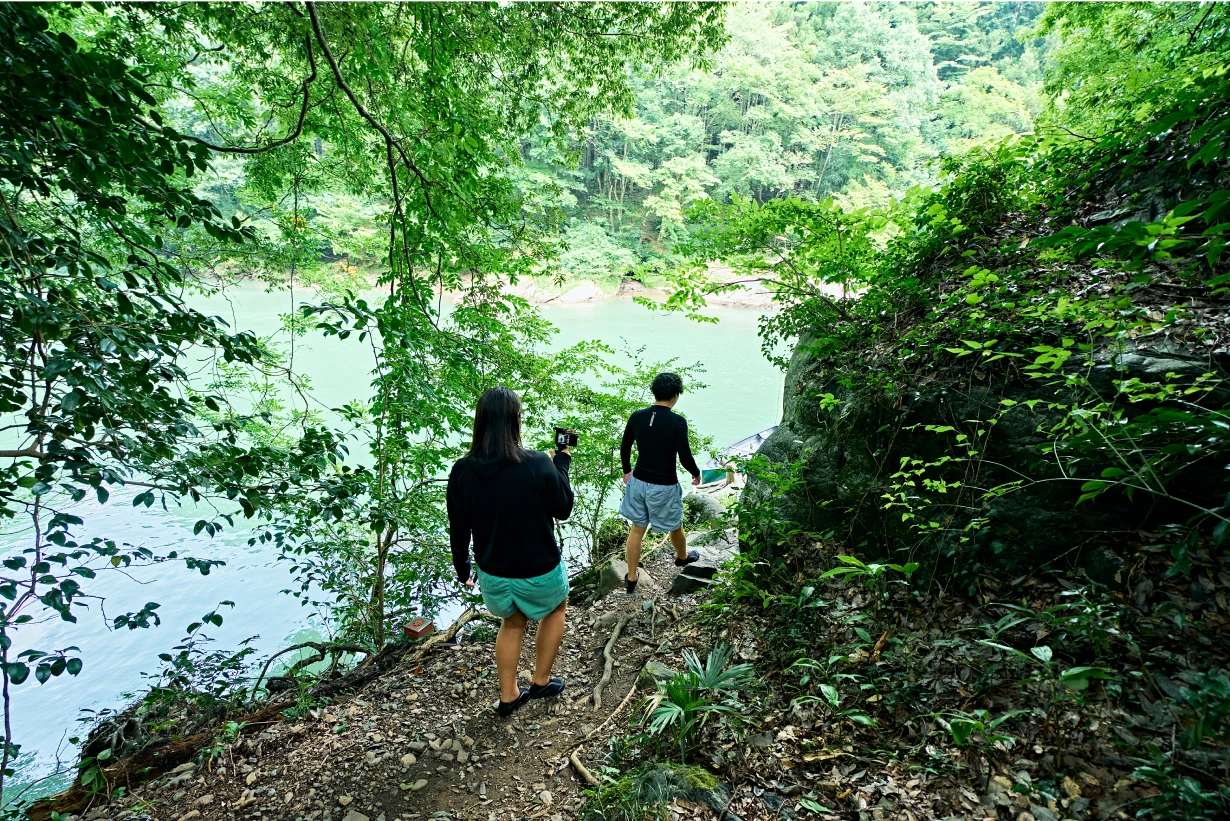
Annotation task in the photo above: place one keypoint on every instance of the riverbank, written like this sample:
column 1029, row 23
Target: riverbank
column 752, row 294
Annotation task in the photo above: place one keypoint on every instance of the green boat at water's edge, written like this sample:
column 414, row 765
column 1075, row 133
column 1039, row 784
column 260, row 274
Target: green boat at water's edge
column 718, row 468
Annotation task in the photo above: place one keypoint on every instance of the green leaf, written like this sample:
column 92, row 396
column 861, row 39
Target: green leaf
column 813, row 806
column 962, row 728
column 1077, row 678
column 17, row 672
column 1005, row 648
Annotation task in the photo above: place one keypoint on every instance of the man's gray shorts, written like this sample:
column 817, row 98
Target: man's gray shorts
column 658, row 505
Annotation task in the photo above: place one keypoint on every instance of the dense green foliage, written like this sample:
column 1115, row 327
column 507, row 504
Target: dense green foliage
column 809, row 100
column 1035, row 278
column 1040, row 336
column 806, row 99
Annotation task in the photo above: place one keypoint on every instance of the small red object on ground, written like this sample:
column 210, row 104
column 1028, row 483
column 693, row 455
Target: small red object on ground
column 419, row 628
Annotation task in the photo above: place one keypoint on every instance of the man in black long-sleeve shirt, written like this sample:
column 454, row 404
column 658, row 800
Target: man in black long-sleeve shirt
column 653, row 495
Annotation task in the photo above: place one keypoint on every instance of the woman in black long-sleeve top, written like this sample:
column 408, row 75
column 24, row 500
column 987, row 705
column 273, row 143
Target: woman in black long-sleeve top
column 505, row 498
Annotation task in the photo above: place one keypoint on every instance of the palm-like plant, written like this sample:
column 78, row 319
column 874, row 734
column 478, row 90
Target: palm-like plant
column 686, row 703
column 713, row 675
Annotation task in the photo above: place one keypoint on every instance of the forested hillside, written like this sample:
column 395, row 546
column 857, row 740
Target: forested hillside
column 805, row 99
column 986, row 547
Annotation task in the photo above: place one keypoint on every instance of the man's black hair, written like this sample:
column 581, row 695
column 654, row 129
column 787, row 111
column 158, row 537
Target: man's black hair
column 666, row 386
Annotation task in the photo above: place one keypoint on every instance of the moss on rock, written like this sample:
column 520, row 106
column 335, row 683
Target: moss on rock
column 698, row 777
column 649, row 790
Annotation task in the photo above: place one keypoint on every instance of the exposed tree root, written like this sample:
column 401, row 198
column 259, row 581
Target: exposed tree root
column 610, row 659
column 322, row 648
column 449, row 635
column 608, row 719
column 582, row 770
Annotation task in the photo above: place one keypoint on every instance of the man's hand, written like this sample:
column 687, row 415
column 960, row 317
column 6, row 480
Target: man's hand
column 695, row 481
column 551, row 453
column 470, row 583
column 627, row 477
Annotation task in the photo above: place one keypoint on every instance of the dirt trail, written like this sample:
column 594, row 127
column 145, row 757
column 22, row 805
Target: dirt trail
column 423, row 742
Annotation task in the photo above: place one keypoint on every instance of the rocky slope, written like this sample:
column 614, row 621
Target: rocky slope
column 421, row 740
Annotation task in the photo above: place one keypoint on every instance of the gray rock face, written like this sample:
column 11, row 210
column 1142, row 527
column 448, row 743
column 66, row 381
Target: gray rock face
column 611, row 578
column 849, row 452
column 714, row 552
column 681, row 585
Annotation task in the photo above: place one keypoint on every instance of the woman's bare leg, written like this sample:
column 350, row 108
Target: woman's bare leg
column 547, row 642
column 508, row 655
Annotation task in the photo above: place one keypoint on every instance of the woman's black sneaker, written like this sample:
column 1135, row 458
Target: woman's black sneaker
column 552, row 688
column 631, row 585
column 693, row 555
column 506, row 708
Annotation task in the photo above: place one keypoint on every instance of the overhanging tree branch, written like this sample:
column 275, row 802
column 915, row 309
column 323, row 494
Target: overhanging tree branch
column 390, row 142
column 291, row 137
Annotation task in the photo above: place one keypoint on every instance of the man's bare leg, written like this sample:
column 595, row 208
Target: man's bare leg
column 547, row 642
column 679, row 541
column 635, row 536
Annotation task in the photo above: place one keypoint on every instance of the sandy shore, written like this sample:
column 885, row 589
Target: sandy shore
column 750, row 295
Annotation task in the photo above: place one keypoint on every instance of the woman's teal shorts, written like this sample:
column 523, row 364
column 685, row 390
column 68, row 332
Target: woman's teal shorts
column 535, row 597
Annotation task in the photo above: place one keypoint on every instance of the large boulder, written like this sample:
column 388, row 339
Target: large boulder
column 701, row 511
column 849, row 447
column 611, row 578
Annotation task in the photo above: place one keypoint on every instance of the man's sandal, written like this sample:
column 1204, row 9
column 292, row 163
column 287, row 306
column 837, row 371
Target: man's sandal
column 631, row 585
column 553, row 687
column 693, row 556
